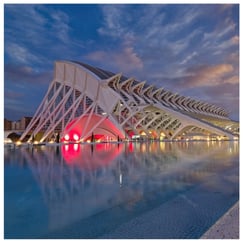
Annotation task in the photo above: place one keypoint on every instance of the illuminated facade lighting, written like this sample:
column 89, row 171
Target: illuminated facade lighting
column 66, row 137
column 75, row 137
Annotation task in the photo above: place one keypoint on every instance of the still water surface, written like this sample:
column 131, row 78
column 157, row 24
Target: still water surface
column 90, row 191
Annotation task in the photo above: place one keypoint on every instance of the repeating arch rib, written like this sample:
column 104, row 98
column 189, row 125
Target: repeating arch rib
column 80, row 90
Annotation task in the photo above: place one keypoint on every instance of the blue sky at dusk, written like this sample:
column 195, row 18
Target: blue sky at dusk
column 192, row 49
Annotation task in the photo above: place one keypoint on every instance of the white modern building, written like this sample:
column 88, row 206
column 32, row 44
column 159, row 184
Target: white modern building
column 85, row 103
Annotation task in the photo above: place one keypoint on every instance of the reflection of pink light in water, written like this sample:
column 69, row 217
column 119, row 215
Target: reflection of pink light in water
column 130, row 147
column 91, row 156
column 130, row 133
column 70, row 152
column 75, row 147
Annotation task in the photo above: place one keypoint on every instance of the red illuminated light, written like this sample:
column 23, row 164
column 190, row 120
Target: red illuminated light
column 66, row 137
column 79, row 129
column 75, row 137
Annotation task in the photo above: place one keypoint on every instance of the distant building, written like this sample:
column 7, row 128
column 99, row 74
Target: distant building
column 7, row 125
column 24, row 122
column 17, row 125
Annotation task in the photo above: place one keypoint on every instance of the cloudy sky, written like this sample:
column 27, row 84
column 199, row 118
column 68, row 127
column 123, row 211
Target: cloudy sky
column 192, row 49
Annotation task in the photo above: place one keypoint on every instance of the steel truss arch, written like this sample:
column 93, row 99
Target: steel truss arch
column 80, row 90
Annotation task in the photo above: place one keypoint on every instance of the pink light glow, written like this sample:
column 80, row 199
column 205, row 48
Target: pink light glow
column 80, row 129
column 66, row 137
column 75, row 137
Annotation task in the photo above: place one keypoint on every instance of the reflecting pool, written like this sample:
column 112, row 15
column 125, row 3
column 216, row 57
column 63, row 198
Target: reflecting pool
column 95, row 190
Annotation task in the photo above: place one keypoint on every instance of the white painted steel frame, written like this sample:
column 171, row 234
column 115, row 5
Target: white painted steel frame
column 132, row 106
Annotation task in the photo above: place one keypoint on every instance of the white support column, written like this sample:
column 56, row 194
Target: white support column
column 165, row 119
column 171, row 100
column 168, row 124
column 180, row 103
column 184, row 104
column 153, row 120
column 176, row 124
column 74, row 108
column 163, row 98
column 156, row 94
column 43, row 114
column 56, row 113
column 127, row 83
column 175, row 100
column 133, row 112
column 38, row 112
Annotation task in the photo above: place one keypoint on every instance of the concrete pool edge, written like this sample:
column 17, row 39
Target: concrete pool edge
column 148, row 226
column 227, row 227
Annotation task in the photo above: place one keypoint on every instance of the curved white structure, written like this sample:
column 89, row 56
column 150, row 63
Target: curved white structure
column 133, row 107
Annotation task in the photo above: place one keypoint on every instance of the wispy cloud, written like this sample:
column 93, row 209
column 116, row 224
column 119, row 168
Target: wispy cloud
column 209, row 75
column 25, row 22
column 227, row 94
column 185, row 47
column 60, row 25
column 125, row 60
column 189, row 58
column 128, row 60
column 112, row 24
column 148, row 37
column 21, row 54
column 26, row 75
column 33, row 30
column 201, row 76
column 23, row 90
column 147, row 24
column 9, row 94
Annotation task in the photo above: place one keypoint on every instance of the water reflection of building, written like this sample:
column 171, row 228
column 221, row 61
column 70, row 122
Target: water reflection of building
column 94, row 180
column 92, row 156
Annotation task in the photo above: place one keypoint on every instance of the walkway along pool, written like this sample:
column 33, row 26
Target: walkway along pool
column 93, row 191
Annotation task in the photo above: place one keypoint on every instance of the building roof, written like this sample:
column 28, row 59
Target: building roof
column 101, row 73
